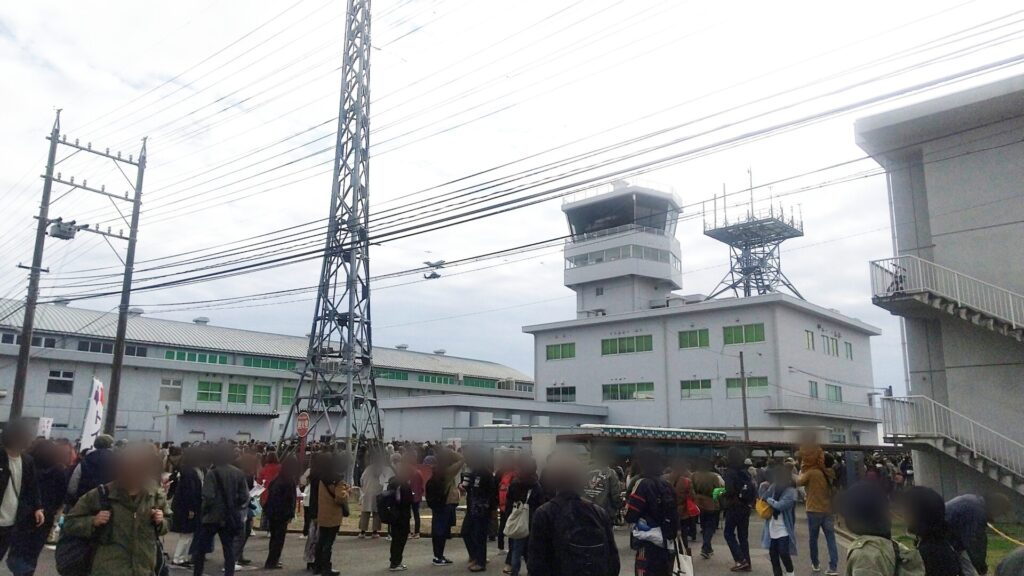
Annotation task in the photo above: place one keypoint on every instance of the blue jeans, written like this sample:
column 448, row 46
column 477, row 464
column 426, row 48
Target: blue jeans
column 517, row 548
column 826, row 523
column 708, row 527
column 737, row 529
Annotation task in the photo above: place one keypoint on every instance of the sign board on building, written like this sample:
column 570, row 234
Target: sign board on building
column 302, row 424
column 45, row 427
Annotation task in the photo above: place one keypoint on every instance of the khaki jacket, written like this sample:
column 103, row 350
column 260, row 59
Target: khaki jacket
column 127, row 544
column 875, row 556
column 331, row 498
column 819, row 490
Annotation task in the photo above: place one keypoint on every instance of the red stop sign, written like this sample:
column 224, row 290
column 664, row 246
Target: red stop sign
column 302, row 424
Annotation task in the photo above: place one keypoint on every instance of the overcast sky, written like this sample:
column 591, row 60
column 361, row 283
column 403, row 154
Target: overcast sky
column 237, row 100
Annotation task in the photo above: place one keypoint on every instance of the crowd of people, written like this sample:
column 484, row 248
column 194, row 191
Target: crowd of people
column 558, row 517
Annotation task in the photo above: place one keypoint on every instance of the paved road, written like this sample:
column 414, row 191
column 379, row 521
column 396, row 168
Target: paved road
column 355, row 557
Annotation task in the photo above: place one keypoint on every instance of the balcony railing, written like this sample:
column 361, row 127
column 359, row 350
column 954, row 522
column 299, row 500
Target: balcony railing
column 616, row 230
column 921, row 417
column 905, row 275
column 803, row 404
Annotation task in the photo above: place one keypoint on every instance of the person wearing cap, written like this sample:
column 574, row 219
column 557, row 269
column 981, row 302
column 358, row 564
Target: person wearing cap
column 97, row 467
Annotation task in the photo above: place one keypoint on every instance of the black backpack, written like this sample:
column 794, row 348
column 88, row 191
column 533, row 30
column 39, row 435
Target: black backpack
column 74, row 553
column 387, row 507
column 580, row 536
column 667, row 511
column 748, row 492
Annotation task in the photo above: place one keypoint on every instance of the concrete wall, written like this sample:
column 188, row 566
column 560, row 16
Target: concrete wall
column 426, row 423
column 667, row 365
column 957, row 201
column 142, row 413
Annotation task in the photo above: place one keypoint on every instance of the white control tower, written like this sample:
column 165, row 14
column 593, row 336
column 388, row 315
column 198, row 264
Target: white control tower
column 623, row 255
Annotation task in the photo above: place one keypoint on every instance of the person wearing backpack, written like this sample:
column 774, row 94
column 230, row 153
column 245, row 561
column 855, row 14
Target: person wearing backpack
column 865, row 509
column 737, row 501
column 523, row 491
column 651, row 509
column 124, row 519
column 705, row 482
column 225, row 502
column 569, row 536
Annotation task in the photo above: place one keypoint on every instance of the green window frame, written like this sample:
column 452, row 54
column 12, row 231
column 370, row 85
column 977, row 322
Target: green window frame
column 699, row 338
column 812, row 388
column 169, row 355
column 238, row 393
column 287, row 396
column 695, row 388
column 474, row 382
column 561, row 394
column 562, row 351
column 809, row 337
column 261, row 395
column 743, row 334
column 209, row 391
column 849, row 350
column 756, row 386
column 390, row 374
column 436, row 379
column 628, row 391
column 830, row 345
column 627, row 345
column 833, row 393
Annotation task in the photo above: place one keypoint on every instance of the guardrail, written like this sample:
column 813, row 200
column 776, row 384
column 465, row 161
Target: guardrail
column 616, row 230
column 923, row 417
column 821, row 406
column 910, row 274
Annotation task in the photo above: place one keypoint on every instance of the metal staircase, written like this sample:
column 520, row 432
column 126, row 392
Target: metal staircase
column 919, row 421
column 911, row 286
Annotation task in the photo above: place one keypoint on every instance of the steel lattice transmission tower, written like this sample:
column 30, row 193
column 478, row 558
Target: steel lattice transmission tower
column 754, row 240
column 337, row 380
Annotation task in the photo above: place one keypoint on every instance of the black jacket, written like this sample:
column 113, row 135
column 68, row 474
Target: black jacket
column 518, row 492
column 187, row 504
column 550, row 550
column 280, row 505
column 224, row 493
column 28, row 493
column 405, row 500
column 96, row 468
column 481, row 493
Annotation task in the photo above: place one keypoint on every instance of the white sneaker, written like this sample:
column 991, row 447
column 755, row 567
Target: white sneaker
column 815, row 568
column 399, row 568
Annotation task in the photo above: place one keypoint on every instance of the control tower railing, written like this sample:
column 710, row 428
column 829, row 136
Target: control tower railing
column 616, row 230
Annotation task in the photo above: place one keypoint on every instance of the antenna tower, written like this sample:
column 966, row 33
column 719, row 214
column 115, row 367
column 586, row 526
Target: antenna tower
column 754, row 240
column 337, row 381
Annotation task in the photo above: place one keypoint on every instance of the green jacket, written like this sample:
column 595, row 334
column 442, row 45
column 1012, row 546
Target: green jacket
column 875, row 556
column 126, row 544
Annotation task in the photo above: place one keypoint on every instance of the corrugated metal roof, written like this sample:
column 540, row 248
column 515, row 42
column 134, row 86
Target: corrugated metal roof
column 171, row 333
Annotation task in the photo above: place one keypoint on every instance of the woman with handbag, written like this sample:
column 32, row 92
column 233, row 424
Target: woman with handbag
column 524, row 496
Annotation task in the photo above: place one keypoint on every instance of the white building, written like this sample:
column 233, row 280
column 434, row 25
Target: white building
column 955, row 166
column 191, row 381
column 654, row 358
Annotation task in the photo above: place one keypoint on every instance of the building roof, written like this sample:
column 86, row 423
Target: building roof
column 776, row 298
column 68, row 320
column 892, row 133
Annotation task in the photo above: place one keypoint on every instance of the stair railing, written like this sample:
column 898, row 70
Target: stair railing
column 909, row 274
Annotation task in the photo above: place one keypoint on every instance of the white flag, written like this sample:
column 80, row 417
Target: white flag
column 45, row 427
column 93, row 415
